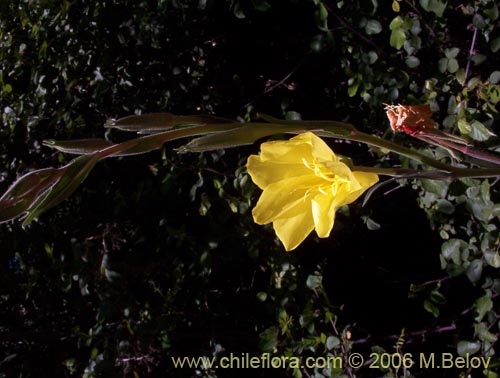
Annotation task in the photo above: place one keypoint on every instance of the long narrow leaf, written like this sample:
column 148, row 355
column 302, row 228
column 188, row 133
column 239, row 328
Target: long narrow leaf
column 33, row 196
column 342, row 128
column 246, row 134
column 152, row 142
column 78, row 146
column 41, row 190
column 157, row 122
column 24, row 191
column 72, row 175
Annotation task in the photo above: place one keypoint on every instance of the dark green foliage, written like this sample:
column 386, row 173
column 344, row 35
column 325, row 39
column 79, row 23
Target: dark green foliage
column 157, row 255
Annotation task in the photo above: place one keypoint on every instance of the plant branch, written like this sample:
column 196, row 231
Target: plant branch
column 471, row 53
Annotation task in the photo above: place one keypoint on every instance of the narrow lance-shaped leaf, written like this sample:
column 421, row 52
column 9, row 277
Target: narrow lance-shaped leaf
column 78, row 146
column 335, row 127
column 72, row 175
column 40, row 190
column 23, row 192
column 134, row 146
column 152, row 142
column 240, row 136
column 158, row 122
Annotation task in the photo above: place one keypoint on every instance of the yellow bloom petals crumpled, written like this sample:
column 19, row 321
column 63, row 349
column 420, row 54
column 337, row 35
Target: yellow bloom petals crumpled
column 303, row 184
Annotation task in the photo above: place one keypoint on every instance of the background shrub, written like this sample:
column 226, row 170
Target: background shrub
column 157, row 255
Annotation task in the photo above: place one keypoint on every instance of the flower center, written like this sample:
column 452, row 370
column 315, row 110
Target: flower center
column 333, row 184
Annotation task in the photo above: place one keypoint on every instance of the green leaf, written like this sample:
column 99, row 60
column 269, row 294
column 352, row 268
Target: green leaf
column 453, row 66
column 451, row 53
column 238, row 11
column 475, row 270
column 321, row 16
column 158, row 122
column 372, row 225
column 23, row 192
column 437, row 297
column 478, row 21
column 494, row 77
column 495, row 45
column 442, row 65
column 412, row 61
column 398, row 38
column 452, row 105
column 396, row 23
column 71, row 176
column 395, row 6
column 152, row 142
column 261, row 5
column 372, row 57
column 467, row 348
column 492, row 258
column 78, row 146
column 492, row 13
column 435, row 6
column 460, row 76
column 464, row 126
column 262, row 296
column 431, row 307
column 434, row 186
column 480, row 132
column 477, row 59
column 491, row 93
column 317, row 43
column 7, row 359
column 313, row 281
column 425, row 4
column 293, row 116
column 332, row 342
column 482, row 306
column 246, row 134
column 353, row 88
column 268, row 339
column 373, row 27
column 479, row 209
column 445, row 206
column 484, row 334
column 451, row 250
column 473, row 82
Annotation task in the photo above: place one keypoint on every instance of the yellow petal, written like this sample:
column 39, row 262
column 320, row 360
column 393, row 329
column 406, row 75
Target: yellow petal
column 285, row 198
column 292, row 231
column 323, row 213
column 280, row 160
column 297, row 148
column 320, row 150
column 365, row 180
column 303, row 184
column 264, row 173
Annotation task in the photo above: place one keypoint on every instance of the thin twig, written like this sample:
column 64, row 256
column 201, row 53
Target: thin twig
column 343, row 349
column 411, row 335
column 471, row 53
column 351, row 29
column 282, row 81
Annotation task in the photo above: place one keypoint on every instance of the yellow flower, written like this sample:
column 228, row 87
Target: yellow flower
column 303, row 184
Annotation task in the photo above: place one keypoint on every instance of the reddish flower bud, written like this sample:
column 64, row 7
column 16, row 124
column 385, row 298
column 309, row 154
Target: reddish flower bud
column 410, row 119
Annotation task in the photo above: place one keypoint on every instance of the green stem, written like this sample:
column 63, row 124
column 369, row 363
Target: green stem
column 466, row 150
column 433, row 175
column 343, row 130
column 347, row 131
column 372, row 140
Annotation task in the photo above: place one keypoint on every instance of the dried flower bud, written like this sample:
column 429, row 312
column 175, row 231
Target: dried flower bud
column 410, row 119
